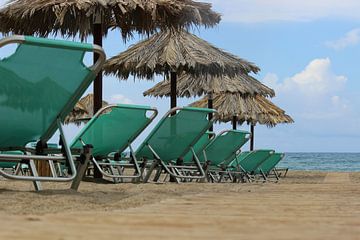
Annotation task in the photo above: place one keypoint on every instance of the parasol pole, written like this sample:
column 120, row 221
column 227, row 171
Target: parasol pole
column 173, row 103
column 234, row 122
column 252, row 130
column 173, row 93
column 97, row 39
column 210, row 106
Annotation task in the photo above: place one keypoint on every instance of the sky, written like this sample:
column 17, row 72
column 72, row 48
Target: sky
column 308, row 52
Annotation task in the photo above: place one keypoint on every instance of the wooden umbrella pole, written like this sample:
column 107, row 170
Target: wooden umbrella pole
column 252, row 130
column 234, row 122
column 210, row 105
column 98, row 82
column 173, row 103
column 173, row 93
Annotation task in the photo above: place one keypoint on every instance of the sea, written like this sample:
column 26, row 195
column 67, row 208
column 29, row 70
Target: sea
column 332, row 162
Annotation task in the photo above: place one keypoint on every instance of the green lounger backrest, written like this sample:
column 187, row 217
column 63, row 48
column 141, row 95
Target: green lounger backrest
column 224, row 147
column 270, row 163
column 174, row 135
column 40, row 82
column 250, row 161
column 114, row 127
column 199, row 146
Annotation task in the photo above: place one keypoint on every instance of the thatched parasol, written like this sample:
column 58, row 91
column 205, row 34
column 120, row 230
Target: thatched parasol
column 175, row 51
column 191, row 86
column 83, row 110
column 172, row 52
column 76, row 17
column 251, row 109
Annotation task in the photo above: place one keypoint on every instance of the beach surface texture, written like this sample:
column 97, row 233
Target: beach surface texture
column 305, row 205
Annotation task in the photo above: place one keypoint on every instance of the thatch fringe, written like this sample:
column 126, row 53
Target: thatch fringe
column 252, row 110
column 190, row 86
column 83, row 110
column 176, row 51
column 72, row 17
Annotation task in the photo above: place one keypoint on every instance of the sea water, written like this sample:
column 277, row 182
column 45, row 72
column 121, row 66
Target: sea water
column 333, row 162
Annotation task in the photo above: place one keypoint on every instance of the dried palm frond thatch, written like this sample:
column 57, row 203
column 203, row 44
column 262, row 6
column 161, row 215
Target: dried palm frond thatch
column 174, row 50
column 252, row 109
column 83, row 110
column 191, row 86
column 72, row 17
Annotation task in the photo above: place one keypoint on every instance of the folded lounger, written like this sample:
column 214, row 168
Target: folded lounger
column 39, row 85
column 246, row 163
column 172, row 138
column 111, row 131
column 268, row 166
column 221, row 151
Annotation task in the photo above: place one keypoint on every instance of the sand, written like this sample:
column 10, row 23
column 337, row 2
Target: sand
column 305, row 205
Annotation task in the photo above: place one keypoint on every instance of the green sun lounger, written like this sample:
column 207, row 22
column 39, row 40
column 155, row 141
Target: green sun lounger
column 247, row 163
column 199, row 147
column 172, row 138
column 221, row 151
column 111, row 131
column 39, row 85
column 268, row 166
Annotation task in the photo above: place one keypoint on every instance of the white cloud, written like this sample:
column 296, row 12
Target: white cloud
column 316, row 79
column 312, row 94
column 119, row 98
column 350, row 39
column 285, row 10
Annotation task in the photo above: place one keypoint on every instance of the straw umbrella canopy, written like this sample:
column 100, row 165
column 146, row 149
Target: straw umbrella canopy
column 76, row 17
column 253, row 110
column 95, row 17
column 172, row 52
column 83, row 110
column 191, row 86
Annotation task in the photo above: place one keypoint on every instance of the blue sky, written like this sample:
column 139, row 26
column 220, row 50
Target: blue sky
column 308, row 52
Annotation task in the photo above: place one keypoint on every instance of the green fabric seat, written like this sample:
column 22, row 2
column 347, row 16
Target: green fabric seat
column 112, row 130
column 248, row 162
column 222, row 149
column 40, row 82
column 270, row 163
column 39, row 85
column 174, row 136
column 199, row 147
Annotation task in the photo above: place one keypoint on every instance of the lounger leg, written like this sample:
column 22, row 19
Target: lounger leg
column 286, row 171
column 18, row 169
column 34, row 172
column 83, row 165
column 263, row 175
column 276, row 175
column 149, row 172
column 52, row 168
column 158, row 174
column 112, row 171
column 142, row 170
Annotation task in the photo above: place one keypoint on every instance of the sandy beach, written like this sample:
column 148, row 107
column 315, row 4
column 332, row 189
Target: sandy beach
column 305, row 205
